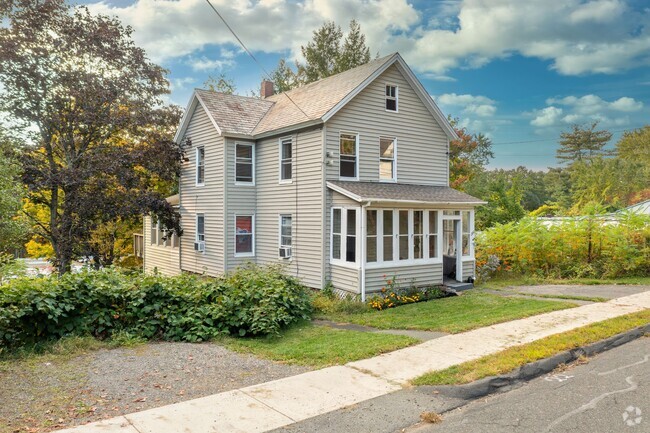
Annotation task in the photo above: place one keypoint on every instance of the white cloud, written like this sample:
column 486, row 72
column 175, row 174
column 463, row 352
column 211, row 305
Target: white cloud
column 576, row 36
column 205, row 64
column 587, row 108
column 479, row 105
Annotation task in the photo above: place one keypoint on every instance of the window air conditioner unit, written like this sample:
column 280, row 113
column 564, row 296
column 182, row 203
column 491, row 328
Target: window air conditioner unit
column 285, row 252
column 199, row 246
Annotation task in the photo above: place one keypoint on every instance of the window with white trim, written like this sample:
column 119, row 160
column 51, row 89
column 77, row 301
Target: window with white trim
column 388, row 230
column 418, row 234
column 391, row 97
column 199, row 237
column 344, row 235
column 432, row 234
column 285, row 159
column 154, row 231
column 387, row 158
column 285, row 233
column 371, row 236
column 467, row 249
column 200, row 166
column 244, row 163
column 244, row 234
column 348, row 150
column 403, row 227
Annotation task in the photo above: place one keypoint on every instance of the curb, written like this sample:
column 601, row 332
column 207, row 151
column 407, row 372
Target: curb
column 516, row 378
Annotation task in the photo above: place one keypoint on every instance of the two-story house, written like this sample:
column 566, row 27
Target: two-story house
column 343, row 180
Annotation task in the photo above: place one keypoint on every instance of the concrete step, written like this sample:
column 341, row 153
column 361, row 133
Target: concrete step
column 457, row 286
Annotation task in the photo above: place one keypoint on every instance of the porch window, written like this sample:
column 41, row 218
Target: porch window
column 153, row 240
column 371, row 236
column 344, row 235
column 448, row 236
column 285, row 160
column 403, row 234
column 418, row 234
column 388, row 235
column 387, row 159
column 348, row 155
column 466, row 234
column 433, row 234
column 244, row 235
column 244, row 163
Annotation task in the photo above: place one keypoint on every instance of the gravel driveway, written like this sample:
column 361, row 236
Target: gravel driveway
column 37, row 395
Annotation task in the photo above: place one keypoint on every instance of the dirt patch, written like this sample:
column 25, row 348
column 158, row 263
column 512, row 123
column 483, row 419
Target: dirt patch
column 41, row 394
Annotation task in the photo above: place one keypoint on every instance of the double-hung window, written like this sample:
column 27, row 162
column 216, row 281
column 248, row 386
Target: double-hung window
column 467, row 246
column 199, row 238
column 387, row 147
column 391, row 97
column 344, row 235
column 244, row 163
column 285, row 236
column 200, row 166
column 244, row 235
column 348, row 152
column 285, row 160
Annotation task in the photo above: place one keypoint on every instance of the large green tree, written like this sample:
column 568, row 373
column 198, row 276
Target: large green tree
column 582, row 143
column 94, row 100
column 12, row 228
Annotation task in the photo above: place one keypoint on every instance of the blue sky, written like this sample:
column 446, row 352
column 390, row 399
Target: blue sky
column 519, row 71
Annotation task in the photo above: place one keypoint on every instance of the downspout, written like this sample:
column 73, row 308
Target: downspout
column 362, row 250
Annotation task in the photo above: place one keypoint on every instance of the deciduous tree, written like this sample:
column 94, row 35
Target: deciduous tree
column 582, row 143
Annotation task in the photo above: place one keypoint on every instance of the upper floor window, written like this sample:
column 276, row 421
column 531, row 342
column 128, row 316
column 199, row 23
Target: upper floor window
column 348, row 153
column 200, row 166
column 387, row 147
column 244, row 163
column 244, row 235
column 391, row 97
column 285, row 160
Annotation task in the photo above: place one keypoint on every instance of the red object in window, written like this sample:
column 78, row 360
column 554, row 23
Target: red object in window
column 244, row 224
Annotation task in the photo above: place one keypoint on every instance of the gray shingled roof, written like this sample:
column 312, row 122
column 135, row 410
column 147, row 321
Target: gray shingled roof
column 234, row 114
column 399, row 192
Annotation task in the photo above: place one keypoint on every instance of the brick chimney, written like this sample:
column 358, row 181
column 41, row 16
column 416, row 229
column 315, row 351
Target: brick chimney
column 267, row 89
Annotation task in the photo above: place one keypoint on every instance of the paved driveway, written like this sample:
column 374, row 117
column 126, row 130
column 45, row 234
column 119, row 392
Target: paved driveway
column 608, row 291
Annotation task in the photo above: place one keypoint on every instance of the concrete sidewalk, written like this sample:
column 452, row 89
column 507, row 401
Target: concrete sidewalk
column 271, row 405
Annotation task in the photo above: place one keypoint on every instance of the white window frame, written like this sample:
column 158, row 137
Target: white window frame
column 359, row 237
column 199, row 164
column 356, row 162
column 394, row 159
column 248, row 254
column 280, row 244
column 239, row 182
column 197, row 237
column 470, row 235
column 281, row 159
column 396, row 262
column 395, row 98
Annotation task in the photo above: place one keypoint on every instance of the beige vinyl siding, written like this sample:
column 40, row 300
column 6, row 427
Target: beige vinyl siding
column 468, row 269
column 240, row 201
column 207, row 199
column 159, row 258
column 302, row 199
column 421, row 143
column 423, row 275
column 345, row 278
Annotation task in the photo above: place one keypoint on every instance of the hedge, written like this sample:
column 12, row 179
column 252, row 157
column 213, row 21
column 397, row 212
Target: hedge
column 250, row 301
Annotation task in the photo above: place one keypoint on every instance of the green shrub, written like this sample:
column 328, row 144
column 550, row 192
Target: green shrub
column 584, row 247
column 250, row 301
column 393, row 294
column 324, row 303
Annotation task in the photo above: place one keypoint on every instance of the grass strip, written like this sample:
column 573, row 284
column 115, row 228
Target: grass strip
column 509, row 359
column 318, row 346
column 567, row 297
column 453, row 315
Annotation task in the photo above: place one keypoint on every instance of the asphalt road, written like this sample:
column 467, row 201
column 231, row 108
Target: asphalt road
column 611, row 393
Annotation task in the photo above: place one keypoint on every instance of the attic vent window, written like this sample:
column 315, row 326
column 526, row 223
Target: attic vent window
column 391, row 98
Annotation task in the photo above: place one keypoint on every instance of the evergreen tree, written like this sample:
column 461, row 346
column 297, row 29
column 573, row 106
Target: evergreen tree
column 582, row 143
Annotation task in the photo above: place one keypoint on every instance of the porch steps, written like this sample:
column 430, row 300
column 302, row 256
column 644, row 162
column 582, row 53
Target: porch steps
column 456, row 286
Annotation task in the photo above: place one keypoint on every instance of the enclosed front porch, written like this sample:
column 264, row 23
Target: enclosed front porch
column 378, row 237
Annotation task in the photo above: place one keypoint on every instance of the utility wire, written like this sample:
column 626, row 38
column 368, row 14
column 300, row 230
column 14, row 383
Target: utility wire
column 252, row 56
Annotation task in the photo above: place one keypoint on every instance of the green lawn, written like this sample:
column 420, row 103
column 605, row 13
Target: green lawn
column 317, row 346
column 509, row 359
column 455, row 314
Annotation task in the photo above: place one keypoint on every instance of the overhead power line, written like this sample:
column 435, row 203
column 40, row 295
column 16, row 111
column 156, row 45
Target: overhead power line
column 266, row 74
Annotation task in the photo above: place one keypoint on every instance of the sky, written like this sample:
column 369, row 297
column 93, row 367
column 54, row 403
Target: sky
column 519, row 71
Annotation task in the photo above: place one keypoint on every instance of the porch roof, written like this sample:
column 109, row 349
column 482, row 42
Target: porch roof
column 402, row 193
